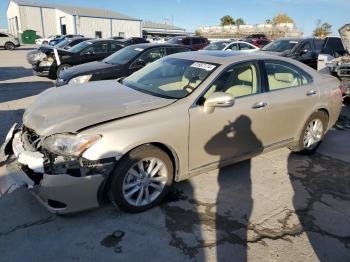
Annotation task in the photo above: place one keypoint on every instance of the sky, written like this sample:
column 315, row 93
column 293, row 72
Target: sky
column 190, row 14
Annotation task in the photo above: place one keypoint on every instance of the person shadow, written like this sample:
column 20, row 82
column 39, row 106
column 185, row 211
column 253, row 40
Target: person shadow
column 234, row 198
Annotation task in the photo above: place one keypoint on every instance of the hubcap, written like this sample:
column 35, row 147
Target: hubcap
column 145, row 181
column 313, row 133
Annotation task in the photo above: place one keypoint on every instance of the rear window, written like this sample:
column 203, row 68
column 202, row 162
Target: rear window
column 333, row 46
column 3, row 35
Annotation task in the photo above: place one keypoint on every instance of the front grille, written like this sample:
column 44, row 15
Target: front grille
column 31, row 139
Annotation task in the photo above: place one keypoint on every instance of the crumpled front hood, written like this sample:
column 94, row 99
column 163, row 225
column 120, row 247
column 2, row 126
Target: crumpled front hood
column 73, row 107
column 344, row 32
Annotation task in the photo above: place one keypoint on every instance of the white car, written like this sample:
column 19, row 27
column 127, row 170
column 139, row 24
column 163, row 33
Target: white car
column 231, row 46
column 8, row 41
column 45, row 41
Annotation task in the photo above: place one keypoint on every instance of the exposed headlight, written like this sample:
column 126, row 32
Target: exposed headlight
column 80, row 79
column 39, row 56
column 69, row 145
column 46, row 63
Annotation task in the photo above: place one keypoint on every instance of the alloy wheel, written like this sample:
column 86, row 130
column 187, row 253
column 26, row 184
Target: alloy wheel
column 145, row 181
column 313, row 133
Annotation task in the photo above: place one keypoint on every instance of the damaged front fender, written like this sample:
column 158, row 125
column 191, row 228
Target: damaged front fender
column 6, row 147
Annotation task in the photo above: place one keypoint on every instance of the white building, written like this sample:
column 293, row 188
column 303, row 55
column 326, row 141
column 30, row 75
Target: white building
column 163, row 30
column 52, row 19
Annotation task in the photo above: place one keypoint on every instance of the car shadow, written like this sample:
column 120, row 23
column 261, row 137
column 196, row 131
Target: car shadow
column 18, row 90
column 14, row 72
column 8, row 118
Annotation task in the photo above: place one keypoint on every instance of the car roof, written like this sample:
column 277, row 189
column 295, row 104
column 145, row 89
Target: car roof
column 149, row 45
column 96, row 40
column 223, row 57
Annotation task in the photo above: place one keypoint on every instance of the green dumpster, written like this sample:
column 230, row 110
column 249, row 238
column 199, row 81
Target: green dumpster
column 28, row 37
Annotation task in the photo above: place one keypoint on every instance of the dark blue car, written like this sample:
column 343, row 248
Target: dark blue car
column 62, row 38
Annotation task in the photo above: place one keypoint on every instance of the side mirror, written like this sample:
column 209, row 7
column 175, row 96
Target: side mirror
column 218, row 99
column 302, row 52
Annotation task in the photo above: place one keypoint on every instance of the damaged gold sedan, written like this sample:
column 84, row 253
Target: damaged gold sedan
column 180, row 116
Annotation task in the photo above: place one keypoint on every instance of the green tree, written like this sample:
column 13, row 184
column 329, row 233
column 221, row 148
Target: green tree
column 282, row 18
column 268, row 21
column 240, row 21
column 322, row 29
column 198, row 33
column 227, row 20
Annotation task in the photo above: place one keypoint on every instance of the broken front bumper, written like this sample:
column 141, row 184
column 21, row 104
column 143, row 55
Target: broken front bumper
column 59, row 193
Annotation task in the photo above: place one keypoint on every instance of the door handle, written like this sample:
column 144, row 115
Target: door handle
column 259, row 105
column 311, row 93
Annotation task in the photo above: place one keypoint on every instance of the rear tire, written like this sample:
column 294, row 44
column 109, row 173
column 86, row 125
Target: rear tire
column 312, row 134
column 9, row 46
column 141, row 179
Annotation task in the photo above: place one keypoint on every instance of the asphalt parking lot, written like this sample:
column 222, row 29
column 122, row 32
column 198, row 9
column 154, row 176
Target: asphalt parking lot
column 275, row 207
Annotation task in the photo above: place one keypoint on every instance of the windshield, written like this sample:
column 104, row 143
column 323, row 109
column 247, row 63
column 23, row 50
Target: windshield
column 62, row 44
column 217, row 46
column 170, row 77
column 77, row 48
column 280, row 45
column 123, row 56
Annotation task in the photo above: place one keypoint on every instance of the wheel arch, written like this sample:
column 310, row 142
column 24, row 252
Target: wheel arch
column 102, row 192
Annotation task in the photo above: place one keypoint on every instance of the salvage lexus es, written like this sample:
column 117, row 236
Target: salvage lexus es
column 182, row 115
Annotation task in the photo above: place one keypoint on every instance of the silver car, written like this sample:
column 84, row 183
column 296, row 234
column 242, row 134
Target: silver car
column 8, row 41
column 180, row 116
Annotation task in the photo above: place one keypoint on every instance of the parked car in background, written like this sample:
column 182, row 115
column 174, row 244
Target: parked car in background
column 60, row 39
column 256, row 36
column 35, row 55
column 181, row 116
column 333, row 47
column 231, row 46
column 195, row 42
column 259, row 43
column 45, row 41
column 132, row 40
column 120, row 64
column 340, row 65
column 305, row 50
column 8, row 41
column 51, row 65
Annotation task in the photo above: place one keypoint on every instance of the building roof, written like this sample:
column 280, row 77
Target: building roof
column 151, row 25
column 80, row 11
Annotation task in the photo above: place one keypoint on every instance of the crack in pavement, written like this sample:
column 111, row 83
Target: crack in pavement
column 319, row 175
column 28, row 225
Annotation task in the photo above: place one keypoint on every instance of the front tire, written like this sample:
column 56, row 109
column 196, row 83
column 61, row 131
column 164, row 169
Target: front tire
column 9, row 46
column 312, row 133
column 141, row 179
column 61, row 68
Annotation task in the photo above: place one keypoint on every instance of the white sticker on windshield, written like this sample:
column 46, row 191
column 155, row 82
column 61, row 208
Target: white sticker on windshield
column 293, row 42
column 138, row 49
column 207, row 67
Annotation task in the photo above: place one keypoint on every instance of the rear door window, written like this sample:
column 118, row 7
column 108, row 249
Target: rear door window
column 243, row 46
column 281, row 75
column 115, row 47
column 3, row 35
column 151, row 55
